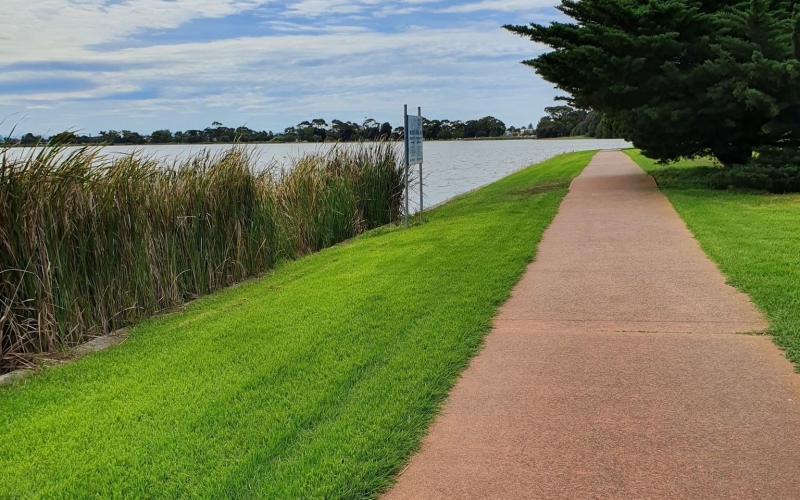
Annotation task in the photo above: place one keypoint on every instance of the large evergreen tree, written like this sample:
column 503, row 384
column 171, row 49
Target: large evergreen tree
column 681, row 77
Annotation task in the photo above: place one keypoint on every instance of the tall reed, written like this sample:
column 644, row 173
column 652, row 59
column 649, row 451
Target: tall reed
column 90, row 243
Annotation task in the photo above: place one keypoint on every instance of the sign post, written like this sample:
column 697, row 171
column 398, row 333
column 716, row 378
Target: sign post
column 413, row 146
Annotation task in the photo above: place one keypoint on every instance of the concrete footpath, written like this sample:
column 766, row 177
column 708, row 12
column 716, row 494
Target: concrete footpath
column 618, row 370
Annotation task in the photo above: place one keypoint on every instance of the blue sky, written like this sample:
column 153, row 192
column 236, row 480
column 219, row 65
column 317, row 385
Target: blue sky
column 141, row 65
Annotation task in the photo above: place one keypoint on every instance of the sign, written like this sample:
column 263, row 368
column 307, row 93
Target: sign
column 414, row 139
column 413, row 143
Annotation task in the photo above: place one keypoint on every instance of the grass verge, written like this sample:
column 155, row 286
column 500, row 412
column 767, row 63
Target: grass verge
column 317, row 381
column 753, row 237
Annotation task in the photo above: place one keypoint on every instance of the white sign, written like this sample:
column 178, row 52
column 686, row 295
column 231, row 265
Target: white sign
column 414, row 139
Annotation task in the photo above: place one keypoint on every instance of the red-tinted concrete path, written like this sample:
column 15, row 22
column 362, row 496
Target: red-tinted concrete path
column 615, row 371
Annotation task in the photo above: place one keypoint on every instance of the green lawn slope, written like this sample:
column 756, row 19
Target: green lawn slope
column 754, row 238
column 317, row 381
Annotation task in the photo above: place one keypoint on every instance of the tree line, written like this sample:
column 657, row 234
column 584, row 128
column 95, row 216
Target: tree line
column 566, row 121
column 316, row 130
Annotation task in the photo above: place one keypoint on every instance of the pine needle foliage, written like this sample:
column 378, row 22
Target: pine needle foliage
column 681, row 78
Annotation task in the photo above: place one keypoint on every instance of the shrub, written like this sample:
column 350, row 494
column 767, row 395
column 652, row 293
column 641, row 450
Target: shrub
column 776, row 170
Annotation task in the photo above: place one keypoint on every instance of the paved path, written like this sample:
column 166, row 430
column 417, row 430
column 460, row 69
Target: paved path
column 615, row 371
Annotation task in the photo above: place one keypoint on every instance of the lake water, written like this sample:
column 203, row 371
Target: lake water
column 451, row 167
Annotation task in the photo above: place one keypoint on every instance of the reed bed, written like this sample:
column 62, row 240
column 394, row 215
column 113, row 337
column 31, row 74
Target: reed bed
column 91, row 243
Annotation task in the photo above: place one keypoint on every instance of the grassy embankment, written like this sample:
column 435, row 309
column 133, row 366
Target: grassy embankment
column 754, row 238
column 317, row 381
column 90, row 243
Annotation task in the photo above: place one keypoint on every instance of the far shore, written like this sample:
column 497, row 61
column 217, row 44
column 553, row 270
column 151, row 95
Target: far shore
column 502, row 138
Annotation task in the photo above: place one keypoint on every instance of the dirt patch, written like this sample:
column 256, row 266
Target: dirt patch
column 67, row 356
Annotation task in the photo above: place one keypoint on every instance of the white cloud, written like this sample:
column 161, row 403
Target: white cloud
column 394, row 11
column 320, row 69
column 56, row 29
column 314, row 8
column 292, row 27
column 503, row 6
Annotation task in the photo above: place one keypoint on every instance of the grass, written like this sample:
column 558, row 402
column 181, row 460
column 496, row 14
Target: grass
column 90, row 243
column 753, row 237
column 317, row 381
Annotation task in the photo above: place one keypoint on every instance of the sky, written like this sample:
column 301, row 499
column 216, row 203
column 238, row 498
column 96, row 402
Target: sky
column 143, row 65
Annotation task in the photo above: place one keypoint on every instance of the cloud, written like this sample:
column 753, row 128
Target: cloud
column 318, row 8
column 314, row 8
column 395, row 11
column 503, row 6
column 307, row 58
column 63, row 29
column 37, row 86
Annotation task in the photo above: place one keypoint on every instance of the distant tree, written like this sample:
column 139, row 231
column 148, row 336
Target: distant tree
column 445, row 130
column 488, row 126
column 431, row 128
column 561, row 121
column 444, row 135
column 262, row 136
column 398, row 132
column 340, row 131
column 306, row 132
column 566, row 121
column 548, row 128
column 386, row 130
column 66, row 137
column 110, row 137
column 194, row 136
column 289, row 134
column 588, row 126
column 161, row 137
column 458, row 129
column 370, row 130
column 30, row 140
column 129, row 137
column 242, row 134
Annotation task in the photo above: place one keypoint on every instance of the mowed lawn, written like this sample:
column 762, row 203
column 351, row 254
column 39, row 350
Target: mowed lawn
column 316, row 381
column 754, row 238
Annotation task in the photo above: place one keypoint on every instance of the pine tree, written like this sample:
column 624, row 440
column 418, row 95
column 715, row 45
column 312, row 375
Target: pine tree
column 680, row 78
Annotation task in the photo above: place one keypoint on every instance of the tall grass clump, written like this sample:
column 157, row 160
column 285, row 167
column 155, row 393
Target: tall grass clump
column 90, row 243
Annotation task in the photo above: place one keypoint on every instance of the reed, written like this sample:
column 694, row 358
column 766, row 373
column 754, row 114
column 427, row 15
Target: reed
column 90, row 243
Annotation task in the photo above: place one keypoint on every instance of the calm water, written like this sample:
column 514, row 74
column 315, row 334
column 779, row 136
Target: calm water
column 451, row 167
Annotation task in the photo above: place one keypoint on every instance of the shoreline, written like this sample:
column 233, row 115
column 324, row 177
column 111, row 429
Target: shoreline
column 191, row 144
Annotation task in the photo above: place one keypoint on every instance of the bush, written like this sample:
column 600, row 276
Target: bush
column 776, row 170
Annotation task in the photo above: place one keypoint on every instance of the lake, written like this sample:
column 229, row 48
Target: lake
column 451, row 167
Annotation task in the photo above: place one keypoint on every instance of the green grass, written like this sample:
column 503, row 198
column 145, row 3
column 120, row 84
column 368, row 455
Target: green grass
column 317, row 381
column 754, row 238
